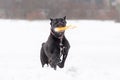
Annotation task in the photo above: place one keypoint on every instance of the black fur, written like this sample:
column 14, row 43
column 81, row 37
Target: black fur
column 55, row 50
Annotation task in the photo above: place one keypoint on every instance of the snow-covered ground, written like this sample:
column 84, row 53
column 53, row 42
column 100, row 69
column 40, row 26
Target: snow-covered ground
column 94, row 52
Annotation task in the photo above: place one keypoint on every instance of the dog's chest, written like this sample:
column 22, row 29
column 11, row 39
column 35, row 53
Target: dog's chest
column 56, row 45
column 61, row 43
column 62, row 47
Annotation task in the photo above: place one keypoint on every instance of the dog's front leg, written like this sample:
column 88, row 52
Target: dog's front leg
column 54, row 59
column 64, row 52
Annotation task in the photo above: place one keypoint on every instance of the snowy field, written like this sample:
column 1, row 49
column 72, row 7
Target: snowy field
column 94, row 52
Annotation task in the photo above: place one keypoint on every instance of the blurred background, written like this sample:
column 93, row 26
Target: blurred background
column 73, row 9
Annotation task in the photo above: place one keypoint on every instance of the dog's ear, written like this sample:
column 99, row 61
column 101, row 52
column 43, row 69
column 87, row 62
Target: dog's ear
column 51, row 19
column 64, row 17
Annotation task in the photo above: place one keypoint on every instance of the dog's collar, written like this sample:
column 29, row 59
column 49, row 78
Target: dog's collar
column 60, row 37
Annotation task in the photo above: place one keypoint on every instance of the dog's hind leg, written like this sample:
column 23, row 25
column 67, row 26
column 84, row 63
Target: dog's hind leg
column 43, row 57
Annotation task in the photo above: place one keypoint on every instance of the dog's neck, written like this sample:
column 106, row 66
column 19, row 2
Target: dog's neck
column 60, row 37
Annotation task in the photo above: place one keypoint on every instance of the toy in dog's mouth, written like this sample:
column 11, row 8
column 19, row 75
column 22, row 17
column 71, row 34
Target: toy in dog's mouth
column 61, row 28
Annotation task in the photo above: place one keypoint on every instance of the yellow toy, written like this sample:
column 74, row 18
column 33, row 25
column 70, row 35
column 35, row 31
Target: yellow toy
column 61, row 29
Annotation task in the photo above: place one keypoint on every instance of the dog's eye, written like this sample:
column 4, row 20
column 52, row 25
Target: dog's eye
column 55, row 21
column 63, row 20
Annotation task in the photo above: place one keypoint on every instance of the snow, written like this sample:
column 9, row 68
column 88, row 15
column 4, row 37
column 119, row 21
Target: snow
column 94, row 52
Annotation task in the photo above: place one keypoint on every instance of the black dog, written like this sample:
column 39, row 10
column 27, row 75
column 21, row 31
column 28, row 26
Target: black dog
column 55, row 50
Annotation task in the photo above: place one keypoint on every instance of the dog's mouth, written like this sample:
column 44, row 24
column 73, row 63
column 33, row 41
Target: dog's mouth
column 60, row 29
column 63, row 28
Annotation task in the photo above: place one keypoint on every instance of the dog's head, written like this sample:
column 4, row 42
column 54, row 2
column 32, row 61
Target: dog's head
column 58, row 22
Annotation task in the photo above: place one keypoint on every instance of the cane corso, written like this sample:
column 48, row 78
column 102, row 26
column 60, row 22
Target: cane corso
column 55, row 50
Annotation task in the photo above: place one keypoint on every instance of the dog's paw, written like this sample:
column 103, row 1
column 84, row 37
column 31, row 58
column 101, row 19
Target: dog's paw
column 61, row 65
